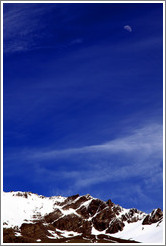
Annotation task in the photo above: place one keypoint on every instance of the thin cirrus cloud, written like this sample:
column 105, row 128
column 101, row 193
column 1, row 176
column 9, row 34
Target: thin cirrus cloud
column 140, row 154
column 141, row 140
column 24, row 29
column 136, row 156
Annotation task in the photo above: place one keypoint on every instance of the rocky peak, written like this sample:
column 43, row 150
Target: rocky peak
column 110, row 203
column 84, row 215
column 155, row 216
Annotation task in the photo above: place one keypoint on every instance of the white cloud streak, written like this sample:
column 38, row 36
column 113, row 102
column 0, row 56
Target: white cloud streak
column 133, row 156
column 135, row 159
column 136, row 155
column 145, row 141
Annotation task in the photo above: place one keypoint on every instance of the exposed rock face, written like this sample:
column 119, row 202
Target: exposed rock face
column 77, row 215
column 102, row 219
column 155, row 216
column 36, row 230
column 74, row 203
column 51, row 217
column 95, row 206
column 109, row 203
column 132, row 216
column 70, row 222
column 115, row 226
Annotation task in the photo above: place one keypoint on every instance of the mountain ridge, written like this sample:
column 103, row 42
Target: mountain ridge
column 30, row 217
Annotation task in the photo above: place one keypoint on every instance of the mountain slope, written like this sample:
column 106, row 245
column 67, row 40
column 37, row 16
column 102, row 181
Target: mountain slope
column 28, row 217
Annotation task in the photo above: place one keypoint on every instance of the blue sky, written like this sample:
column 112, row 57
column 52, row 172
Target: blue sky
column 83, row 100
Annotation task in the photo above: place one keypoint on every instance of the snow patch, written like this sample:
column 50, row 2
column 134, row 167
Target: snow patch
column 142, row 233
column 96, row 232
column 54, row 235
column 58, row 198
column 18, row 209
column 18, row 234
column 69, row 233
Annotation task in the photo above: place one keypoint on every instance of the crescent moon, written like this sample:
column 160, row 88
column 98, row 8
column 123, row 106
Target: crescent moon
column 128, row 28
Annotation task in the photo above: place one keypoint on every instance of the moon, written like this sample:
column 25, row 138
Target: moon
column 128, row 28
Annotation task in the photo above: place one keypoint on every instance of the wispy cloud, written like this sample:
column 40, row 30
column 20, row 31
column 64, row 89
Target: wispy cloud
column 27, row 27
column 22, row 26
column 136, row 155
column 76, row 41
column 140, row 140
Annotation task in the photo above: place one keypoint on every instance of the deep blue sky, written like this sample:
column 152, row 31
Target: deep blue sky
column 83, row 100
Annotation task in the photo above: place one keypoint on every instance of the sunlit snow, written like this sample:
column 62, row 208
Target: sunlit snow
column 18, row 209
column 142, row 233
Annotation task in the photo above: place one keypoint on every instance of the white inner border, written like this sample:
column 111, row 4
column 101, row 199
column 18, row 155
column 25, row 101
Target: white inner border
column 163, row 2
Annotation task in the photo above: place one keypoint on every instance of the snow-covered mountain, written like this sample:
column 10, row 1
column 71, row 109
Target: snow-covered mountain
column 31, row 218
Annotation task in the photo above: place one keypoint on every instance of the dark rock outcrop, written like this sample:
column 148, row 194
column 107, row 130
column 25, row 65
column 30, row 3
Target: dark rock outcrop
column 51, row 217
column 70, row 222
column 102, row 219
column 155, row 216
column 36, row 230
column 109, row 203
column 115, row 226
column 95, row 206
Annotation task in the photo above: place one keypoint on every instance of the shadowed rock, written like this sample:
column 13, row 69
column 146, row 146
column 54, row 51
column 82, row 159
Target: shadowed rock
column 102, row 219
column 115, row 226
column 155, row 216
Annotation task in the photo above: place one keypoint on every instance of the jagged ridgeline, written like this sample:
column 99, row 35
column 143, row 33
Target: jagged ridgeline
column 32, row 218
